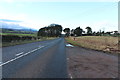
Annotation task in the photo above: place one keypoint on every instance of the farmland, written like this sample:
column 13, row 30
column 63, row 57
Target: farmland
column 19, row 34
column 11, row 39
column 102, row 43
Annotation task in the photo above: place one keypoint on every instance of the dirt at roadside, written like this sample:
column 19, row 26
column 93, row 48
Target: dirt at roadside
column 84, row 63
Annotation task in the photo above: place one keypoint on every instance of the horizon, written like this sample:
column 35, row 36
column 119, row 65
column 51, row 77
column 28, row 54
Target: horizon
column 98, row 15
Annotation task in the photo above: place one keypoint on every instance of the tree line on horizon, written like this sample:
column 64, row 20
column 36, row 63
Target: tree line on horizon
column 55, row 30
column 80, row 32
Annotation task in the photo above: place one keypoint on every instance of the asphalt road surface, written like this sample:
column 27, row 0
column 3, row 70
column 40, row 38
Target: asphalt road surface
column 44, row 59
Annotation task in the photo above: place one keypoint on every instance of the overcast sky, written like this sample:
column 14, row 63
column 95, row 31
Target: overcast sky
column 36, row 14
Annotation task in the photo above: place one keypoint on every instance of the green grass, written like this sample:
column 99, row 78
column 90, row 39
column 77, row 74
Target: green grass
column 5, row 44
column 18, row 34
column 103, row 43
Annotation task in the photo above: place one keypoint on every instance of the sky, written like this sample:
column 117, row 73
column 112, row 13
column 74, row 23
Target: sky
column 37, row 14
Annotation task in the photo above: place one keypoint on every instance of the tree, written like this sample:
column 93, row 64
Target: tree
column 103, row 32
column 94, row 33
column 41, row 32
column 72, row 32
column 109, row 33
column 67, row 31
column 98, row 33
column 115, row 33
column 89, row 30
column 53, row 30
column 78, row 31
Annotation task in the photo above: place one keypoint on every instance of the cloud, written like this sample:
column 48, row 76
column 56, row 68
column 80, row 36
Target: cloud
column 106, row 26
column 8, row 20
column 11, row 26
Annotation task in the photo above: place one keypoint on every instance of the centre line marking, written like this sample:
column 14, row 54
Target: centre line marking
column 19, row 53
column 41, row 47
column 19, row 56
column 67, row 58
column 70, row 76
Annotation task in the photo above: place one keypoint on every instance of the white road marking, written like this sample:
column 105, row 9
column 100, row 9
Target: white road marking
column 41, row 47
column 34, row 50
column 19, row 53
column 67, row 58
column 20, row 56
column 70, row 76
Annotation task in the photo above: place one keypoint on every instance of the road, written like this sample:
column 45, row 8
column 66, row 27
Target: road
column 44, row 59
column 87, row 63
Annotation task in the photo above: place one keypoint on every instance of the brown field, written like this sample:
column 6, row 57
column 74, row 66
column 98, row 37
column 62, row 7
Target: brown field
column 104, row 43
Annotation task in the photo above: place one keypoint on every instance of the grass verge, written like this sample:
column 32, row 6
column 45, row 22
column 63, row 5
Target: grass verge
column 6, row 44
column 101, row 43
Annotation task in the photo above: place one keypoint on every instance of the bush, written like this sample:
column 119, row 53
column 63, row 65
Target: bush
column 10, row 38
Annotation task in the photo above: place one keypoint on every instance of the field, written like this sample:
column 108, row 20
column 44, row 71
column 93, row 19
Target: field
column 5, row 44
column 18, row 34
column 102, row 43
column 11, row 41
